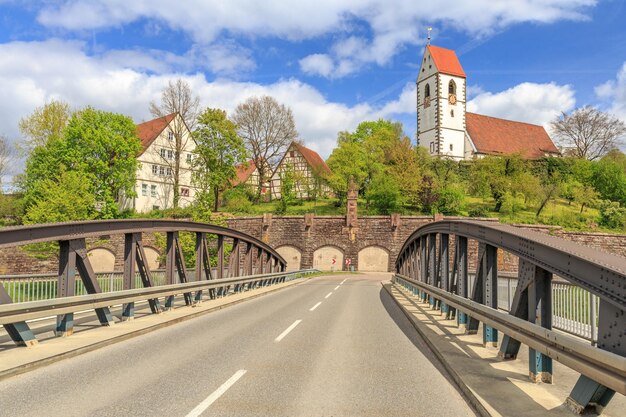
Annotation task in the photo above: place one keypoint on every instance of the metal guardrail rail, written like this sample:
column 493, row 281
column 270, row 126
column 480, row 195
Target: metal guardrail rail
column 11, row 313
column 427, row 264
column 604, row 367
column 248, row 257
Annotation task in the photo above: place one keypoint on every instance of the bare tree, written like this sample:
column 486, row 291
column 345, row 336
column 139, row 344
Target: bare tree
column 178, row 98
column 5, row 159
column 589, row 132
column 268, row 129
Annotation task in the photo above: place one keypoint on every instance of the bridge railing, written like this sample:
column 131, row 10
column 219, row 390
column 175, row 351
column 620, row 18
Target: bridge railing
column 248, row 257
column 429, row 269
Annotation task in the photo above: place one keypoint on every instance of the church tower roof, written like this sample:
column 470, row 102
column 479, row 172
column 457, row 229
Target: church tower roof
column 446, row 61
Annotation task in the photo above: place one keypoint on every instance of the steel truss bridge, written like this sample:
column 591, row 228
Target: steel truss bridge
column 432, row 265
column 427, row 267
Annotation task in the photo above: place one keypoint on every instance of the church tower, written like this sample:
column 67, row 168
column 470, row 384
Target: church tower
column 441, row 104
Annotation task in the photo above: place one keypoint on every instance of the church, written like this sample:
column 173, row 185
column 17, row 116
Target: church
column 446, row 129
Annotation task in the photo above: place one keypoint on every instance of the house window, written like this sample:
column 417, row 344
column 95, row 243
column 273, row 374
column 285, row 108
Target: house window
column 170, row 154
column 432, row 147
column 162, row 171
column 450, row 147
column 155, row 207
column 144, row 189
column 163, row 150
column 184, row 192
column 155, row 169
column 153, row 192
column 189, row 156
column 452, row 113
column 169, row 171
column 292, row 154
column 170, row 136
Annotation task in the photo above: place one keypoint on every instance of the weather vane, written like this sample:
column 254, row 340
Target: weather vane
column 428, row 41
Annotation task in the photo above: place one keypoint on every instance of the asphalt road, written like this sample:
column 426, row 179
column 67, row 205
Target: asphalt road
column 283, row 354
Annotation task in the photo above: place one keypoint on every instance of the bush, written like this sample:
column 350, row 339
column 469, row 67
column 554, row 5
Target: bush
column 450, row 201
column 478, row 211
column 384, row 194
column 612, row 215
column 238, row 203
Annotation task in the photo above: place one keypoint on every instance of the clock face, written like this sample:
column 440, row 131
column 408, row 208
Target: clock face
column 452, row 99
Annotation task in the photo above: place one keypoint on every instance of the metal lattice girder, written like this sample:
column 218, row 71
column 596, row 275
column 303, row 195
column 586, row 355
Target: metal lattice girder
column 519, row 307
column 170, row 266
column 540, row 312
column 478, row 292
column 66, row 286
column 432, row 265
column 490, row 281
column 88, row 277
column 146, row 275
column 461, row 282
column 19, row 332
column 180, row 266
column 444, row 267
column 130, row 262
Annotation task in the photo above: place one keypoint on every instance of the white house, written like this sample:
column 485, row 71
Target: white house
column 154, row 186
column 446, row 129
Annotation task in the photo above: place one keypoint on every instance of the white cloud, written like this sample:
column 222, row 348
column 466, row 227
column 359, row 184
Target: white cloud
column 32, row 73
column 613, row 92
column 317, row 64
column 392, row 25
column 526, row 102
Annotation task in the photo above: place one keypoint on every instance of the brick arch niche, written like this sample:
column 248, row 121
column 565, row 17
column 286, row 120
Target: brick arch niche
column 101, row 260
column 328, row 258
column 292, row 255
column 373, row 259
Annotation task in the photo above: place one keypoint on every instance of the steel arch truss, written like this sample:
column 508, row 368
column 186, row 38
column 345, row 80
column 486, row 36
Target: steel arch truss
column 258, row 259
column 424, row 264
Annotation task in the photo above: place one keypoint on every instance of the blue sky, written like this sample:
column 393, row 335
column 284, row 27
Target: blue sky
column 334, row 63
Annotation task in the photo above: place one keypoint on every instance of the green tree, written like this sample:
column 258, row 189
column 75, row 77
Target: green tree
column 609, row 179
column 101, row 146
column 45, row 122
column 404, row 167
column 287, row 189
column 384, row 194
column 218, row 148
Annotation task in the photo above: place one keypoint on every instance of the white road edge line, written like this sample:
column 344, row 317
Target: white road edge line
column 343, row 281
column 287, row 330
column 329, row 294
column 337, row 287
column 200, row 408
column 315, row 306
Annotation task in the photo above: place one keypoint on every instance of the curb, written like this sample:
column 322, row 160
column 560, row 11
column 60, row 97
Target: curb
column 31, row 366
column 465, row 390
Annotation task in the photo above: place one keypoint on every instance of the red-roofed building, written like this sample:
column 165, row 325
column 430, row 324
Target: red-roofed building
column 248, row 174
column 310, row 172
column 154, row 186
column 446, row 129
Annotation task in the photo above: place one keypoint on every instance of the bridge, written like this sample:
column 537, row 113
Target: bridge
column 225, row 329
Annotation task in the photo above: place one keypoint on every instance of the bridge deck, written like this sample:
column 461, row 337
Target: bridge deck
column 353, row 354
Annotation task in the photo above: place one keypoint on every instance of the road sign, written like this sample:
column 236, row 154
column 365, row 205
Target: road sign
column 348, row 261
column 333, row 262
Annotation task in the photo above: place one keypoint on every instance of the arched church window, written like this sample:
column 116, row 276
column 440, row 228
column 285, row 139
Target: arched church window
column 452, row 92
column 427, row 95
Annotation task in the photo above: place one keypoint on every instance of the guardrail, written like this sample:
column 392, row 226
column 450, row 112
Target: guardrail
column 604, row 367
column 13, row 313
column 425, row 258
column 248, row 256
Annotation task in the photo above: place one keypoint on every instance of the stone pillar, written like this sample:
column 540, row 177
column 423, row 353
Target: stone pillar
column 351, row 211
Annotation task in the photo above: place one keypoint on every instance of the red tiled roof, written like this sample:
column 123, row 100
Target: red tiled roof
column 148, row 131
column 313, row 158
column 491, row 135
column 243, row 172
column 446, row 61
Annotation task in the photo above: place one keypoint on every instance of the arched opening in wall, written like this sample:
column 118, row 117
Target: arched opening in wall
column 152, row 257
column 328, row 258
column 451, row 87
column 373, row 259
column 427, row 90
column 292, row 255
column 101, row 260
